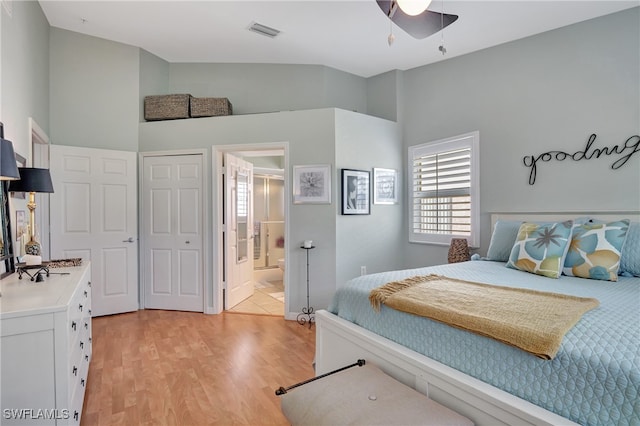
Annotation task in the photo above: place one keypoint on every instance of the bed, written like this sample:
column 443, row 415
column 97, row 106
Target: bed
column 593, row 379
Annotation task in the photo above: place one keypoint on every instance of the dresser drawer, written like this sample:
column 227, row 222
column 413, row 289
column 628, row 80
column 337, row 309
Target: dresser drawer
column 52, row 324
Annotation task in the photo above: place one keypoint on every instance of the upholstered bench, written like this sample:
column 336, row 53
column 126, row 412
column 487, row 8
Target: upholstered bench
column 364, row 396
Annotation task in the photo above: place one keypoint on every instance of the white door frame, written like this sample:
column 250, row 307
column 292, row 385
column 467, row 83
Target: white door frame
column 217, row 216
column 39, row 145
column 205, row 219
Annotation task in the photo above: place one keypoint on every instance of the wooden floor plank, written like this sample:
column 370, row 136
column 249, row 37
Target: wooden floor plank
column 181, row 368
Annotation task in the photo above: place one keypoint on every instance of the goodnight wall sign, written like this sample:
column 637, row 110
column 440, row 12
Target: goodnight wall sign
column 623, row 152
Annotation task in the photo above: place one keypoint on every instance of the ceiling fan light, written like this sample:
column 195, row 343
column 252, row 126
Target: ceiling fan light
column 413, row 7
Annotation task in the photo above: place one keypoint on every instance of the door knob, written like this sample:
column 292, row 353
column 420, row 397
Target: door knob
column 129, row 240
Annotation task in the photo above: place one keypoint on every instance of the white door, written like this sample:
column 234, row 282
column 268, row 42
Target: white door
column 172, row 220
column 94, row 216
column 238, row 219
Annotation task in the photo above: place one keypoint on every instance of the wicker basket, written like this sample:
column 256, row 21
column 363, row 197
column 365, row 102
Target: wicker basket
column 166, row 107
column 458, row 251
column 210, row 107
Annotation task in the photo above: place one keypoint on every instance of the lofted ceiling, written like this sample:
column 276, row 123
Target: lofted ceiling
column 349, row 35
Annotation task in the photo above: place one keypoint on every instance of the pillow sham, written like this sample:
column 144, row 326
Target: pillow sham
column 630, row 256
column 541, row 248
column 595, row 250
column 502, row 239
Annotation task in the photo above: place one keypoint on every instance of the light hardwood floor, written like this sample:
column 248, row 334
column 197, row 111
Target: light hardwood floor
column 157, row 367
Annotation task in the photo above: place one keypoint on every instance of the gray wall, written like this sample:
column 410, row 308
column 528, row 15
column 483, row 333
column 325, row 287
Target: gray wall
column 310, row 135
column 383, row 95
column 362, row 143
column 95, row 92
column 24, row 90
column 259, row 88
column 154, row 78
column 542, row 93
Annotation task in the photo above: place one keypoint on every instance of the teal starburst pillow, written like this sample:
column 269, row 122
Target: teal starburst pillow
column 595, row 250
column 541, row 248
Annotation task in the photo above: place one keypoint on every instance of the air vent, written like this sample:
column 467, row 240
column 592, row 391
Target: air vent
column 263, row 29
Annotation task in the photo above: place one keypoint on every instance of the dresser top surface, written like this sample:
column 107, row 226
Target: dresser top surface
column 21, row 297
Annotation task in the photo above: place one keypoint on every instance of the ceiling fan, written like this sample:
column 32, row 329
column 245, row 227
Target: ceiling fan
column 420, row 23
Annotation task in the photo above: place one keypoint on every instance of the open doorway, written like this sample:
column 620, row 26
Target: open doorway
column 268, row 227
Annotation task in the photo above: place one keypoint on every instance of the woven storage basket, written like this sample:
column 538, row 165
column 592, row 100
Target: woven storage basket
column 166, row 107
column 210, row 107
column 458, row 250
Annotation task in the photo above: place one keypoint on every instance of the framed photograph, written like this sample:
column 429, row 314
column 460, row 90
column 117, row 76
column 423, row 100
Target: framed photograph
column 355, row 191
column 312, row 184
column 21, row 162
column 385, row 186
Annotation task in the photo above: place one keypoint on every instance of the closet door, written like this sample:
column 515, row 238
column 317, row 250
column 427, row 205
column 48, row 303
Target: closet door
column 172, row 234
column 94, row 216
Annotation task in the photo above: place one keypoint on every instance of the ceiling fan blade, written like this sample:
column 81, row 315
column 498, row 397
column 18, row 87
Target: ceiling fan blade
column 420, row 26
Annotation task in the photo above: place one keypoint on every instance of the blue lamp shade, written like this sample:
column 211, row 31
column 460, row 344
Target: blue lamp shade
column 32, row 179
column 8, row 166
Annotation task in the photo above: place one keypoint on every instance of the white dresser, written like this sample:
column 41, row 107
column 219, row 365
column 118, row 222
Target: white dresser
column 45, row 346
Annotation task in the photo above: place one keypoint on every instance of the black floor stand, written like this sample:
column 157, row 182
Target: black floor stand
column 308, row 310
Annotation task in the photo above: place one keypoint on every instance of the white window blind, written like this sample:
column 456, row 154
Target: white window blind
column 444, row 190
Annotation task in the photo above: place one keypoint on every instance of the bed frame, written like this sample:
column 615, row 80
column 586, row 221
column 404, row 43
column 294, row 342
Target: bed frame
column 340, row 342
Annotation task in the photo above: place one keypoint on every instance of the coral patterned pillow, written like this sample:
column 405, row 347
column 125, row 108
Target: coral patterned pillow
column 595, row 249
column 541, row 248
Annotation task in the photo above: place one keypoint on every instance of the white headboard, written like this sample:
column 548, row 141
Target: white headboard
column 634, row 216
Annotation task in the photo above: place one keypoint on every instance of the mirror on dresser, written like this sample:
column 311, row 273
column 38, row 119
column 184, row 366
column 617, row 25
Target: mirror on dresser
column 6, row 246
column 8, row 171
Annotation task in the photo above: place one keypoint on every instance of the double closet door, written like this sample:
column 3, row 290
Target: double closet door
column 94, row 216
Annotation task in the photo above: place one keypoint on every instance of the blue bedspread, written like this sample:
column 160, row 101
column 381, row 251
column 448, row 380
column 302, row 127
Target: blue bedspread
column 593, row 380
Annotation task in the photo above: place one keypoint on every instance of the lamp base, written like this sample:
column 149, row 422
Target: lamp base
column 33, row 248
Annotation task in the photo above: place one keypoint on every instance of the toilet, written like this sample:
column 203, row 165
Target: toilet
column 281, row 264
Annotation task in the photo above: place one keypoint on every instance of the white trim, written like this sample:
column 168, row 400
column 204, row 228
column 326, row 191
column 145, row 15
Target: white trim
column 41, row 157
column 206, row 292
column 608, row 216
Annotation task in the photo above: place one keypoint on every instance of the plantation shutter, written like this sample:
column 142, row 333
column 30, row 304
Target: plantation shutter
column 442, row 192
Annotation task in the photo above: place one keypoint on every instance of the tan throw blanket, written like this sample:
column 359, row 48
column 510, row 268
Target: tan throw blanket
column 531, row 320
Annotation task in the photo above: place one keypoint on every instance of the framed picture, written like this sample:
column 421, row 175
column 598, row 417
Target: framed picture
column 21, row 162
column 312, row 184
column 355, row 191
column 385, row 186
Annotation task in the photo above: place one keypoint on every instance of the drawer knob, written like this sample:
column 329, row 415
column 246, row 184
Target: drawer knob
column 81, row 345
column 73, row 325
column 82, row 382
column 75, row 370
column 86, row 357
column 75, row 415
column 89, row 312
column 86, row 326
column 80, row 307
column 89, row 283
column 86, row 293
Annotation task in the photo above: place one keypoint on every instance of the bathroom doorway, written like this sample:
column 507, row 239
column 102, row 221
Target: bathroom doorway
column 268, row 228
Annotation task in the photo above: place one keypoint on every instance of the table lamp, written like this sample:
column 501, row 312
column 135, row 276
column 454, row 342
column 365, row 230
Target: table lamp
column 8, row 166
column 32, row 180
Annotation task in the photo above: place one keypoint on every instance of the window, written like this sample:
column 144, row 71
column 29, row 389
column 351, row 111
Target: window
column 444, row 193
